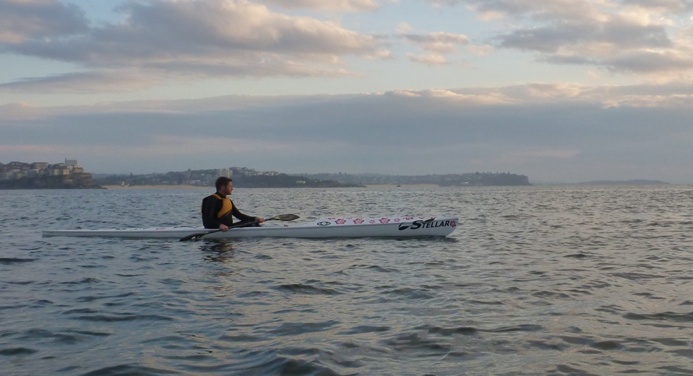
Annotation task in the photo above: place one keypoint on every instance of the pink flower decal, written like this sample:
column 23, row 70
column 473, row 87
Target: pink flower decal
column 340, row 221
column 384, row 220
column 358, row 221
column 372, row 221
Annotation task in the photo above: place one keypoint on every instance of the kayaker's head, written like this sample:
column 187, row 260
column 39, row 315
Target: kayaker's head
column 224, row 185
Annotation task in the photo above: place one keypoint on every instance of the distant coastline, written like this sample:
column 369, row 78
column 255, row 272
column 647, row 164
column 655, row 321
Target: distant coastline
column 625, row 182
column 158, row 186
column 43, row 175
column 250, row 178
column 47, row 183
column 69, row 175
column 187, row 186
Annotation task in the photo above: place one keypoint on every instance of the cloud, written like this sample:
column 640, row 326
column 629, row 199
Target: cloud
column 662, row 5
column 428, row 59
column 83, row 82
column 439, row 42
column 481, row 50
column 644, row 61
column 188, row 40
column 436, row 45
column 548, row 131
column 22, row 20
column 597, row 38
column 550, row 153
column 461, row 98
column 333, row 5
column 631, row 36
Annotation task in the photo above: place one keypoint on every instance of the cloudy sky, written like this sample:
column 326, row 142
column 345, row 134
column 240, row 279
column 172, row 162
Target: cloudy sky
column 558, row 90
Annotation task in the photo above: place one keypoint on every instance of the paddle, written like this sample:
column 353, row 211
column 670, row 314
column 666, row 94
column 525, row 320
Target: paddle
column 281, row 217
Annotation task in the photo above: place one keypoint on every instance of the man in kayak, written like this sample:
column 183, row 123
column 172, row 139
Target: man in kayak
column 218, row 210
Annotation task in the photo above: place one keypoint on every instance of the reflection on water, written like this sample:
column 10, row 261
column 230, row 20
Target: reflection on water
column 218, row 250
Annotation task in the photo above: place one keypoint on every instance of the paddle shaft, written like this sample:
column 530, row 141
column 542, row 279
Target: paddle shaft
column 281, row 217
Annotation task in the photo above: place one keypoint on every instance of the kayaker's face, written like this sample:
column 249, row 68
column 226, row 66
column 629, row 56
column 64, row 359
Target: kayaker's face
column 227, row 189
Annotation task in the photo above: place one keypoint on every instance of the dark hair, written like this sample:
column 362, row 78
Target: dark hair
column 222, row 181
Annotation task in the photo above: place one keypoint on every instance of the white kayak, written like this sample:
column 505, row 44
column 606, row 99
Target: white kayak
column 391, row 227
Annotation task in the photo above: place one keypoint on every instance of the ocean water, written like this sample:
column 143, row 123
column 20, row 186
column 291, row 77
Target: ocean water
column 565, row 280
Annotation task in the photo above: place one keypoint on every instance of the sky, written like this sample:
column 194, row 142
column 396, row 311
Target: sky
column 558, row 90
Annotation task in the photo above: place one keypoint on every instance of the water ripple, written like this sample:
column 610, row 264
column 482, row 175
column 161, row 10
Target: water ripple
column 14, row 260
column 535, row 281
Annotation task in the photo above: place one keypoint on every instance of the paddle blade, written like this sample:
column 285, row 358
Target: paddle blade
column 188, row 237
column 283, row 217
column 196, row 236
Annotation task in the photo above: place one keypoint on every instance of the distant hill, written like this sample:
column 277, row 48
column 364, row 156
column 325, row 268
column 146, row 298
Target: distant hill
column 445, row 180
column 625, row 182
column 243, row 177
column 249, row 178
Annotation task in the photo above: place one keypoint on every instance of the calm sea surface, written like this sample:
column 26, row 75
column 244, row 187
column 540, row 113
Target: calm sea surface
column 566, row 280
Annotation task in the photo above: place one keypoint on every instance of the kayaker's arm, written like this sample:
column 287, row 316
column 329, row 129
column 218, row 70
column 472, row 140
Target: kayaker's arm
column 244, row 217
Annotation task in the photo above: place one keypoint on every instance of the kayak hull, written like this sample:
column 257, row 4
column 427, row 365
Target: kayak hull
column 391, row 227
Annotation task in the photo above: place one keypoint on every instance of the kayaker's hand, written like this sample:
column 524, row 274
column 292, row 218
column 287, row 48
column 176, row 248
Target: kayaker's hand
column 259, row 219
column 223, row 227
